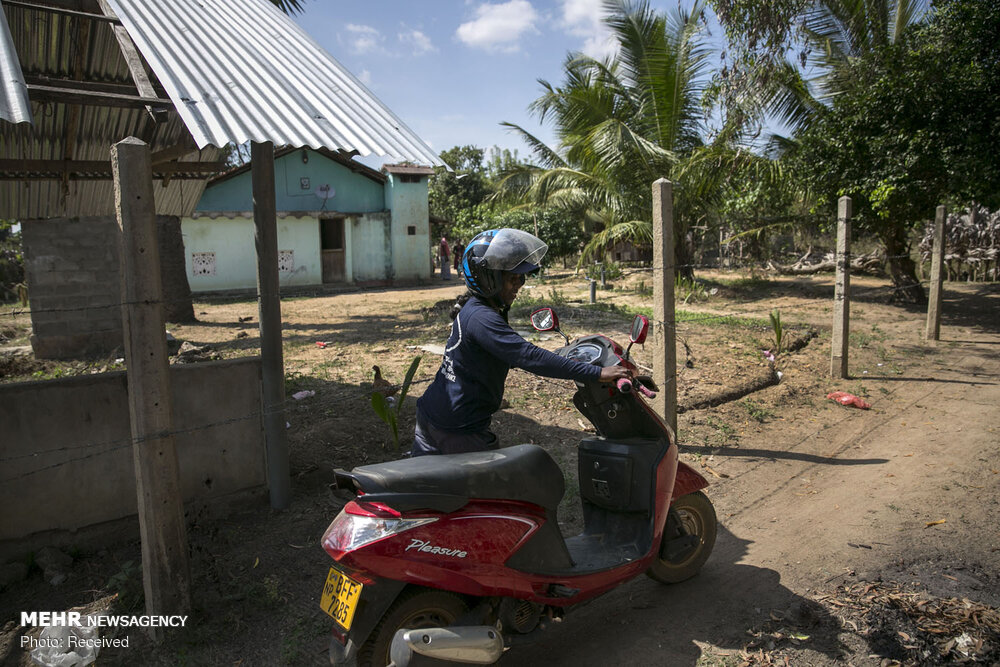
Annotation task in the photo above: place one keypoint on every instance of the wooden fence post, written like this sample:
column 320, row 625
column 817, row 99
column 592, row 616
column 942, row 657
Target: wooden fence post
column 842, row 292
column 269, row 311
column 664, row 324
column 165, row 571
column 937, row 276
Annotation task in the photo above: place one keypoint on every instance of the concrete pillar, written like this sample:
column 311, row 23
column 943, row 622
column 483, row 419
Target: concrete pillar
column 165, row 569
column 269, row 311
column 664, row 324
column 937, row 276
column 842, row 292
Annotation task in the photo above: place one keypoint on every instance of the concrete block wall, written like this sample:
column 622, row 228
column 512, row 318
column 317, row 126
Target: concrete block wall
column 71, row 267
column 66, row 453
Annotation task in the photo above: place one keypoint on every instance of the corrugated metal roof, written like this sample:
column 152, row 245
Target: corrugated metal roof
column 14, row 104
column 240, row 70
column 220, row 61
column 63, row 47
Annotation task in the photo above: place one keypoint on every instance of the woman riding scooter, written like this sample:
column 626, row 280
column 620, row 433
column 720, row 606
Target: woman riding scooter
column 454, row 414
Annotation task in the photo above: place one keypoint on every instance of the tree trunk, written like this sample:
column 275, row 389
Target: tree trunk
column 684, row 254
column 902, row 268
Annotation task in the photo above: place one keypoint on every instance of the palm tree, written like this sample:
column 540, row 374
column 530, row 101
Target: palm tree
column 835, row 31
column 621, row 123
column 290, row 7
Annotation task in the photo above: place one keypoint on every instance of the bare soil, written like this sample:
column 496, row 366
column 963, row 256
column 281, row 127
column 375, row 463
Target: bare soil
column 847, row 536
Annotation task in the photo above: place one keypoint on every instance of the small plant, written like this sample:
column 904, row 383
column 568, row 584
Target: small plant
column 557, row 298
column 127, row 585
column 756, row 410
column 687, row 289
column 388, row 410
column 777, row 330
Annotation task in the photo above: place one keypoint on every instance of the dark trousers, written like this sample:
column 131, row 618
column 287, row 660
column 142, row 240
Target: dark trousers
column 430, row 440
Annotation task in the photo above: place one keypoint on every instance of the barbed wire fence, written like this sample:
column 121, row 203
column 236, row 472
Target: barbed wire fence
column 47, row 459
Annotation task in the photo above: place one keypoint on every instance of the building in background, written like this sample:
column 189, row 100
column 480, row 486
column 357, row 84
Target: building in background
column 339, row 222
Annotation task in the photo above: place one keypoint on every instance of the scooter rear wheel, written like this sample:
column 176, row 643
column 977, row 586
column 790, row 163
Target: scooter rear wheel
column 413, row 610
column 697, row 517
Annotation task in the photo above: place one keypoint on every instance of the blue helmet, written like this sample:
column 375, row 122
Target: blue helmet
column 495, row 251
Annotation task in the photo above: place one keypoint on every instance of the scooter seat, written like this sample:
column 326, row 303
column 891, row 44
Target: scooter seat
column 522, row 472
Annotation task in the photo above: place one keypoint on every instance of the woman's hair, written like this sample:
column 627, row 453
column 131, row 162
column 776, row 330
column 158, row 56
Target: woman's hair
column 503, row 309
column 462, row 300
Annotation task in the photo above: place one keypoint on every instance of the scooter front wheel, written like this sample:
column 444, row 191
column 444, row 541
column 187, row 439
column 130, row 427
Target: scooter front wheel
column 415, row 609
column 690, row 515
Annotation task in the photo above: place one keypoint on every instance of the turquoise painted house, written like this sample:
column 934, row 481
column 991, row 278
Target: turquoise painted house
column 339, row 222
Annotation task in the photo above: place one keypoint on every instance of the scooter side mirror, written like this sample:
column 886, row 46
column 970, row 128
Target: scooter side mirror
column 545, row 319
column 640, row 327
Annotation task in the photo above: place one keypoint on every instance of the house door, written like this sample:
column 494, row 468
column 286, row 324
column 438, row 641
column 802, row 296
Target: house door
column 332, row 248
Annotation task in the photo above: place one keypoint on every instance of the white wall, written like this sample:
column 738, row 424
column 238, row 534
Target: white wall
column 232, row 241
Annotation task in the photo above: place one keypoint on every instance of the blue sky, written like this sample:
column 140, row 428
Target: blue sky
column 454, row 69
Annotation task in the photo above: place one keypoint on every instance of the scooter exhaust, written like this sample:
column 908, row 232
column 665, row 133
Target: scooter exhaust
column 478, row 644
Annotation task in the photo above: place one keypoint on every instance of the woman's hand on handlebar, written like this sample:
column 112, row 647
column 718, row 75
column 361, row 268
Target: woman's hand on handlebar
column 614, row 373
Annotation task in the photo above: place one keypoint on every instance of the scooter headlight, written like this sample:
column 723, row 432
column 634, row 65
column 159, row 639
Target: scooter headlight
column 357, row 526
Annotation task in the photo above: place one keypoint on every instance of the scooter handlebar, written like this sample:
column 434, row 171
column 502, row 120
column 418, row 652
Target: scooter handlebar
column 626, row 386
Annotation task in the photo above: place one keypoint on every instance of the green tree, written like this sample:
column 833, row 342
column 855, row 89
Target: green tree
column 911, row 128
column 457, row 196
column 622, row 123
column 826, row 35
column 11, row 261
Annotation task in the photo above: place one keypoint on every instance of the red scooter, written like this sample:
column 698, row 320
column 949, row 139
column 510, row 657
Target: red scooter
column 460, row 557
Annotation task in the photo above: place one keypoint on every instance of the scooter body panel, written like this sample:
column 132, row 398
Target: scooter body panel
column 468, row 551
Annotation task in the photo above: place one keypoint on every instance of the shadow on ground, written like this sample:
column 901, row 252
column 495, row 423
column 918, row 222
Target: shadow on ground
column 646, row 623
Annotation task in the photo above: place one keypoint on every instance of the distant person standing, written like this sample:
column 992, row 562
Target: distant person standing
column 444, row 253
column 459, row 250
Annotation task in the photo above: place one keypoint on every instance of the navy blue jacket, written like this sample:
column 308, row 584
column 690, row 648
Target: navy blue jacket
column 481, row 350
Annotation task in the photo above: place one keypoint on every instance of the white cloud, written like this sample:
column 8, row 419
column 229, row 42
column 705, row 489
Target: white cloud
column 584, row 19
column 364, row 38
column 499, row 27
column 417, row 41
column 365, row 77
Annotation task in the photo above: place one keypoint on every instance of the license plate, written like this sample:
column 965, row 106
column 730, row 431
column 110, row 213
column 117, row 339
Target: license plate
column 340, row 597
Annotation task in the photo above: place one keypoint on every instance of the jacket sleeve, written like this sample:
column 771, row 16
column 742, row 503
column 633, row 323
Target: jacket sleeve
column 496, row 337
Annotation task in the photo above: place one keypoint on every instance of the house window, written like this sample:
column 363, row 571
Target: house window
column 409, row 178
column 286, row 261
column 411, row 230
column 203, row 263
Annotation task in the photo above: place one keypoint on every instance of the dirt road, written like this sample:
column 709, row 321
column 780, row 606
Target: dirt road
column 830, row 517
column 813, row 503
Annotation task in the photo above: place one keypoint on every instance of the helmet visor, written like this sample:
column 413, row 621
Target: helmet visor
column 515, row 250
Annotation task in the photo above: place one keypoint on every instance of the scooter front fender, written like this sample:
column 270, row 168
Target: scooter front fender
column 687, row 481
